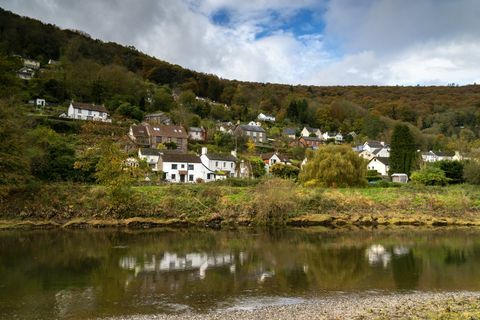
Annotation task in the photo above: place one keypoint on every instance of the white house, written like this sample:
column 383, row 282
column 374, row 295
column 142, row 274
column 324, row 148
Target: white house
column 182, row 168
column 433, row 156
column 220, row 166
column 264, row 117
column 198, row 134
column 372, row 145
column 86, row 111
column 307, row 131
column 255, row 124
column 26, row 73
column 273, row 158
column 32, row 64
column 380, row 165
column 151, row 156
column 339, row 138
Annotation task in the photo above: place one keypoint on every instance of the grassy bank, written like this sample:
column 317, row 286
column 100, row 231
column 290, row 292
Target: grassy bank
column 270, row 202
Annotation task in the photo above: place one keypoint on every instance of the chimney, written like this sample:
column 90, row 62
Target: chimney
column 234, row 153
column 204, row 150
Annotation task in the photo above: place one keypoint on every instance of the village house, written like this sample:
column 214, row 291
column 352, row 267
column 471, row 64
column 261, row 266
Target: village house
column 87, row 111
column 310, row 142
column 272, row 158
column 289, row 133
column 151, row 156
column 265, row 118
column 182, row 168
column 168, row 135
column 220, row 166
column 30, row 63
column 225, row 127
column 139, row 135
column 434, row 156
column 147, row 135
column 26, row 73
column 380, row 165
column 309, row 132
column 157, row 118
column 198, row 134
column 255, row 133
column 372, row 145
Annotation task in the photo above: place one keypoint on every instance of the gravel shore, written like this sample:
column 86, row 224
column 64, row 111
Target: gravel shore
column 421, row 305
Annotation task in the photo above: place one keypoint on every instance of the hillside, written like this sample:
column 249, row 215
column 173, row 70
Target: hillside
column 95, row 71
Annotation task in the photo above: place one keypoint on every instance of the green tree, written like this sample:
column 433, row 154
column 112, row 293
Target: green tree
column 471, row 172
column 430, row 176
column 258, row 167
column 162, row 99
column 284, row 171
column 403, row 150
column 453, row 170
column 334, row 166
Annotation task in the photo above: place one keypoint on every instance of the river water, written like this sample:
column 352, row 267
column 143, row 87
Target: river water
column 79, row 274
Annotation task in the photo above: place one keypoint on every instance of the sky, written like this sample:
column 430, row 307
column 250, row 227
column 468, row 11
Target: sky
column 311, row 42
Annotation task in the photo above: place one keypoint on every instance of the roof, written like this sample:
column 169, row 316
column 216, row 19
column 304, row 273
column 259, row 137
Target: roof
column 139, row 130
column 158, row 114
column 164, row 130
column 289, row 131
column 310, row 129
column 179, row 157
column 374, row 144
column 311, row 139
column 89, row 106
column 149, row 152
column 267, row 156
column 383, row 160
column 195, row 129
column 247, row 127
column 221, row 157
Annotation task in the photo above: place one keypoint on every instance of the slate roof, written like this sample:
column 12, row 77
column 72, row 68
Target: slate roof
column 246, row 127
column 178, row 157
column 195, row 129
column 89, row 106
column 374, row 144
column 267, row 156
column 312, row 130
column 149, row 152
column 289, row 131
column 383, row 160
column 221, row 157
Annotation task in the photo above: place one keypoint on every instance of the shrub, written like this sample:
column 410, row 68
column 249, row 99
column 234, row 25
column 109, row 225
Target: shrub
column 285, row 171
column 273, row 201
column 471, row 172
column 430, row 176
column 258, row 167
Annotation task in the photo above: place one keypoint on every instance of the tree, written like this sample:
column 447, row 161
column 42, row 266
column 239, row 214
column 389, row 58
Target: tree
column 403, row 150
column 250, row 146
column 334, row 166
column 258, row 167
column 284, row 171
column 162, row 99
column 430, row 176
column 453, row 170
column 471, row 172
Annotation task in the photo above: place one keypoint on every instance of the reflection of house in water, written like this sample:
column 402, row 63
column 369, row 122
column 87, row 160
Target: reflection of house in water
column 377, row 254
column 170, row 262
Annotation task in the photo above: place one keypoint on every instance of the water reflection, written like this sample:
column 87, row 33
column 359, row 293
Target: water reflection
column 81, row 274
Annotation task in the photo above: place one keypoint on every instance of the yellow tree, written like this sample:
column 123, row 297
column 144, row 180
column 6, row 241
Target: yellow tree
column 334, row 166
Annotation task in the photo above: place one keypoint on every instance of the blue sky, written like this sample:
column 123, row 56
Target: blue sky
column 322, row 42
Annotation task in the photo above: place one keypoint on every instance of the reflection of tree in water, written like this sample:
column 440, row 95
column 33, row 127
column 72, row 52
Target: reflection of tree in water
column 406, row 270
column 339, row 267
column 455, row 257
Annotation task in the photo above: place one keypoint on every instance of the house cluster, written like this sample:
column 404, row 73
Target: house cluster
column 179, row 167
column 30, row 67
column 377, row 153
column 434, row 156
column 313, row 137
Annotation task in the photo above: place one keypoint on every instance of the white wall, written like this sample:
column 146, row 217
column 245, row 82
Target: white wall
column 83, row 114
column 374, row 164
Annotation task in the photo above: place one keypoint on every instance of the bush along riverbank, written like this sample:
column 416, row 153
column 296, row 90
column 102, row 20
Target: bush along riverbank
column 254, row 202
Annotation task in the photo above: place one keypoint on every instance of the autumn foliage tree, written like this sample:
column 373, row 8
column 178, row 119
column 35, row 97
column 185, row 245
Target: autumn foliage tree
column 334, row 166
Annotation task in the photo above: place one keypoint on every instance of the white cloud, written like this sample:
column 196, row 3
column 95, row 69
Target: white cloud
column 364, row 42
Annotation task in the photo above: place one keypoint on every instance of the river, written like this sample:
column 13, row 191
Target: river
column 79, row 274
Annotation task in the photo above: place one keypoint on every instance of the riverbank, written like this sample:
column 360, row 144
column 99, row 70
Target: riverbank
column 421, row 305
column 223, row 205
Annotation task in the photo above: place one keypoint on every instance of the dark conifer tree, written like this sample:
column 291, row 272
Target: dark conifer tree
column 403, row 153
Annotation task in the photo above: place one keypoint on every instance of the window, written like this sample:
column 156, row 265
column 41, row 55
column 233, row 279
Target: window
column 174, row 166
column 231, row 165
column 216, row 163
column 79, row 111
column 173, row 176
column 190, row 167
column 190, row 177
column 224, row 164
column 89, row 112
column 209, row 175
column 182, row 166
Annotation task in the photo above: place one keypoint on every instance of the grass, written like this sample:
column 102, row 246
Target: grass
column 213, row 204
